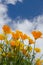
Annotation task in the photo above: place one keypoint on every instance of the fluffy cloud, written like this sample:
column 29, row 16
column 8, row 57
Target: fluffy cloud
column 10, row 1
column 23, row 25
column 4, row 19
column 3, row 14
column 29, row 25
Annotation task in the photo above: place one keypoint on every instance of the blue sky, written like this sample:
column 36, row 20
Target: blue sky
column 28, row 9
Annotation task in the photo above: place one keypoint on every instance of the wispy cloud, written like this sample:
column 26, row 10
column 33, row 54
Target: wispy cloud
column 10, row 1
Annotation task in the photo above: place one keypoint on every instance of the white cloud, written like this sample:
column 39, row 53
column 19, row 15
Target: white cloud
column 40, row 23
column 25, row 26
column 10, row 1
column 29, row 25
column 39, row 43
column 3, row 13
column 4, row 19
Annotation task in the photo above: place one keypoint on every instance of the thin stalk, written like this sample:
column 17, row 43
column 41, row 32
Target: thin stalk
column 33, row 54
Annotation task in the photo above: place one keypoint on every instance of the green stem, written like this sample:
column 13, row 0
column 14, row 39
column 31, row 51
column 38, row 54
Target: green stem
column 33, row 54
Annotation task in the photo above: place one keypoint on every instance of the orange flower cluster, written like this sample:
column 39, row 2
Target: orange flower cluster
column 19, row 34
column 16, row 49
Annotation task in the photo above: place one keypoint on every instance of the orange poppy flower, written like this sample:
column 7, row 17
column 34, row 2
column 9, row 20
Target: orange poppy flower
column 19, row 33
column 15, row 35
column 36, row 34
column 24, row 36
column 6, row 29
column 13, row 43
